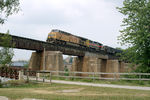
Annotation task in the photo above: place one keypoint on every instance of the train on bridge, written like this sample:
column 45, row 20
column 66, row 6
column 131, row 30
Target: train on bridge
column 64, row 38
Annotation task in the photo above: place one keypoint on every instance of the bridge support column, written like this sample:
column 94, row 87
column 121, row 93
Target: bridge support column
column 53, row 61
column 91, row 64
column 95, row 64
column 86, row 64
column 121, row 67
column 125, row 67
column 77, row 64
column 35, row 61
column 112, row 66
column 103, row 67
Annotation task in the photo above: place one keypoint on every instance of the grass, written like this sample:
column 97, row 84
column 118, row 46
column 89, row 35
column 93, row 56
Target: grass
column 70, row 92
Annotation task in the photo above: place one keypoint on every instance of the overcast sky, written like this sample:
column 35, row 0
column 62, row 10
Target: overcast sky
column 97, row 20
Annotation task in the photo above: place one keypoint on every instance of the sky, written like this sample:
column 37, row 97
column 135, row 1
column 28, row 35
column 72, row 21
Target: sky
column 97, row 20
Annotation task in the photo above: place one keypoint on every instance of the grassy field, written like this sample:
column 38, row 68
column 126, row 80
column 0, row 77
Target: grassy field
column 70, row 92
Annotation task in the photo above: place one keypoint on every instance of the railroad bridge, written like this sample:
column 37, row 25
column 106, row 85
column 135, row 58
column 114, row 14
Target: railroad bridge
column 48, row 56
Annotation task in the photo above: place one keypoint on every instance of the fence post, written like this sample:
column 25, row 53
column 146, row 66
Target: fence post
column 99, row 75
column 27, row 75
column 50, row 77
column 37, row 76
column 43, row 77
column 20, row 75
column 115, row 77
column 74, row 75
column 139, row 77
column 93, row 76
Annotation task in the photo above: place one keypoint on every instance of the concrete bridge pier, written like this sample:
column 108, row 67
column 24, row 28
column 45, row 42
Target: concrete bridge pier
column 115, row 66
column 91, row 64
column 86, row 64
column 112, row 66
column 122, row 66
column 35, row 61
column 95, row 64
column 53, row 61
column 77, row 65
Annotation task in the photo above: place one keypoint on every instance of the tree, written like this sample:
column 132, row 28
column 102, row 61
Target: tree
column 6, row 53
column 136, row 32
column 7, row 8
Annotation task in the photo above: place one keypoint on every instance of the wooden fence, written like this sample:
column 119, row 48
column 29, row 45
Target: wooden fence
column 38, row 75
column 92, row 75
column 103, row 76
column 8, row 72
column 13, row 73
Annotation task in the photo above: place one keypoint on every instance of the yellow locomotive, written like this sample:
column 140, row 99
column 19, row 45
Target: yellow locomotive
column 61, row 37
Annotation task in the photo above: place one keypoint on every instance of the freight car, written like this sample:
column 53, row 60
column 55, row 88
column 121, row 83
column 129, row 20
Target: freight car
column 111, row 50
column 108, row 49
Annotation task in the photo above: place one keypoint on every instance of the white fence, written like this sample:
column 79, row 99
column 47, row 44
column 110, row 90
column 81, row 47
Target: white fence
column 103, row 76
column 95, row 75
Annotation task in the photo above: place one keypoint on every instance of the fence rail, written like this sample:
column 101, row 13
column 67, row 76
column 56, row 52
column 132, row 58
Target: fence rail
column 14, row 73
column 96, row 75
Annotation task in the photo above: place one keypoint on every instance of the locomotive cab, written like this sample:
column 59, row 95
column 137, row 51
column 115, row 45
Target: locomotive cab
column 51, row 36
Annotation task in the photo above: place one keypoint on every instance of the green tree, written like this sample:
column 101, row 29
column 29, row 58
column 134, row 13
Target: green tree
column 6, row 53
column 7, row 8
column 136, row 32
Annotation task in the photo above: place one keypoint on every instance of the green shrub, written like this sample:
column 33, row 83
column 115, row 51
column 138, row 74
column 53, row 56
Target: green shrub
column 1, row 84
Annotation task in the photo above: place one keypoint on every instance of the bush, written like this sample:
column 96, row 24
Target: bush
column 1, row 83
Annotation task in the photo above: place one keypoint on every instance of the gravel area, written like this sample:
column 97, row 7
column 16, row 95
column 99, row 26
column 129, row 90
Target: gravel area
column 5, row 79
column 101, row 85
column 3, row 98
column 96, row 84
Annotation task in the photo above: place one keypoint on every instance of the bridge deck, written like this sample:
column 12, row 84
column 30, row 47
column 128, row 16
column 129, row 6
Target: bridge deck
column 37, row 45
